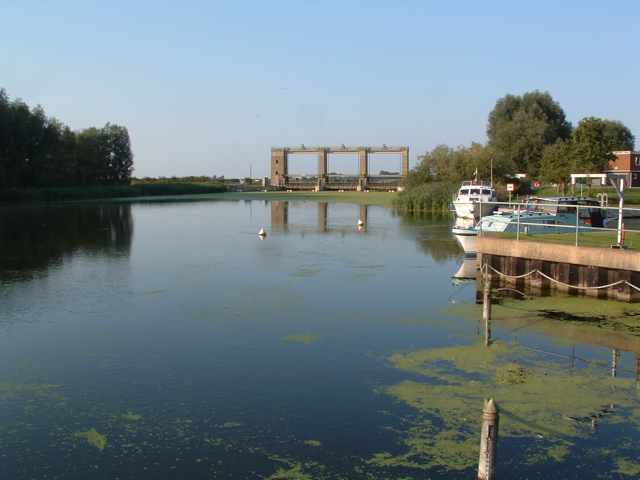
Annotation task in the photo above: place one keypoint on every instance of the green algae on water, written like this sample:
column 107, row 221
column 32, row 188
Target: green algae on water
column 229, row 425
column 537, row 399
column 293, row 473
column 307, row 272
column 304, row 337
column 93, row 438
column 627, row 466
column 513, row 374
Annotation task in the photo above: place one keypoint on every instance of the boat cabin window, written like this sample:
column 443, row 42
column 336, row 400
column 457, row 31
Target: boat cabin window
column 542, row 207
column 566, row 209
column 464, row 191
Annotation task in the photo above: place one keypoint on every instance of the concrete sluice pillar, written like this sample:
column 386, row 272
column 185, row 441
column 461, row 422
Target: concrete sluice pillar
column 405, row 162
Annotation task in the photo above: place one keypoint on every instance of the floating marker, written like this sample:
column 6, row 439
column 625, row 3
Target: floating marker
column 262, row 233
column 360, row 223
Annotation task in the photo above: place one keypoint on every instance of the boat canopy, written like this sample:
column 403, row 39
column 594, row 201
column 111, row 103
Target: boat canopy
column 555, row 205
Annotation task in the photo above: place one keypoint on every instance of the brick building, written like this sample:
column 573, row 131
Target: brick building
column 627, row 165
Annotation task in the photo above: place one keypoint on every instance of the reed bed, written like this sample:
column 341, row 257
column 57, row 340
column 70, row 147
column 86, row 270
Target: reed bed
column 430, row 197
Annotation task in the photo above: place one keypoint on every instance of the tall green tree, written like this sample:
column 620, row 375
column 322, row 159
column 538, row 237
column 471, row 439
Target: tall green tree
column 592, row 147
column 120, row 156
column 442, row 164
column 103, row 156
column 453, row 165
column 588, row 151
column 519, row 128
column 557, row 163
column 36, row 151
column 618, row 131
column 6, row 137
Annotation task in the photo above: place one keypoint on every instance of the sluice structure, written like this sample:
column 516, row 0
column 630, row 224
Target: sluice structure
column 322, row 179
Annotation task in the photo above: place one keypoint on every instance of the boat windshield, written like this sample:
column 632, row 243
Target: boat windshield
column 475, row 191
column 556, row 205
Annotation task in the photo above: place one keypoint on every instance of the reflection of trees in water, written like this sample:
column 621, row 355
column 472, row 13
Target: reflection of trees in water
column 33, row 239
column 435, row 237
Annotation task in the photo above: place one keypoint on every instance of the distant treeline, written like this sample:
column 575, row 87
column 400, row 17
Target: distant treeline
column 39, row 152
column 188, row 179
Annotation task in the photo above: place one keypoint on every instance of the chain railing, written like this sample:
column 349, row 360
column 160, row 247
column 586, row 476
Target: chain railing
column 486, row 269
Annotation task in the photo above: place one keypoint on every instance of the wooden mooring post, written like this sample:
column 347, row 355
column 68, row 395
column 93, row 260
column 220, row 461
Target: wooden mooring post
column 486, row 312
column 489, row 441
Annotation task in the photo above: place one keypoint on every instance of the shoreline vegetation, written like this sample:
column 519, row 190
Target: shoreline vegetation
column 433, row 197
column 74, row 194
column 430, row 199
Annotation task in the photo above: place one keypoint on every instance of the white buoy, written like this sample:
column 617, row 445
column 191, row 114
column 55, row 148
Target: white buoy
column 360, row 223
column 262, row 233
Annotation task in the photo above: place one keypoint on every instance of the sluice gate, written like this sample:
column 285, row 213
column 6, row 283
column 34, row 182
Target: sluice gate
column 360, row 180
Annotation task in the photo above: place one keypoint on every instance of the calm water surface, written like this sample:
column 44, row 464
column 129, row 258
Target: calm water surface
column 168, row 340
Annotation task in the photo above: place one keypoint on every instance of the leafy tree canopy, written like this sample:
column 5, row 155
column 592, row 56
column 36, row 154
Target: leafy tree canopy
column 36, row 151
column 557, row 163
column 588, row 151
column 592, row 148
column 617, row 131
column 519, row 127
column 453, row 165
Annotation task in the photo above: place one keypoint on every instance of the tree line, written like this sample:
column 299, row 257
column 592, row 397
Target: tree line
column 527, row 134
column 37, row 151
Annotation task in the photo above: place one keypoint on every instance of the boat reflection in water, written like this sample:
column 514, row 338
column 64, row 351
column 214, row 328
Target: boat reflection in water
column 461, row 228
column 468, row 272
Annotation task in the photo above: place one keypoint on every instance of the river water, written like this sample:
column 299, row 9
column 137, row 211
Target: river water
column 168, row 340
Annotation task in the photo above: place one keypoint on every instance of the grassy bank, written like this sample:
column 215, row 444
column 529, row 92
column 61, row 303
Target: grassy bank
column 40, row 195
column 596, row 239
column 434, row 197
column 362, row 198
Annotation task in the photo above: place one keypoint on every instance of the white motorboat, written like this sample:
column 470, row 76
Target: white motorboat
column 475, row 199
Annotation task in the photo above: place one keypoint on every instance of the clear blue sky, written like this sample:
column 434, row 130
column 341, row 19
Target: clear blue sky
column 208, row 87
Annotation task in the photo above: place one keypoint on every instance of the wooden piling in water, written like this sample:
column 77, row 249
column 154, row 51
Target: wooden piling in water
column 486, row 312
column 489, row 441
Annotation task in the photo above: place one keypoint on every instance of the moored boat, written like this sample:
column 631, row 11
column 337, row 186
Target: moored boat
column 520, row 222
column 475, row 199
column 587, row 208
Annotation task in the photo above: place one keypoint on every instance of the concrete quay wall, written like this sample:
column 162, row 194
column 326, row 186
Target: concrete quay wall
column 574, row 270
